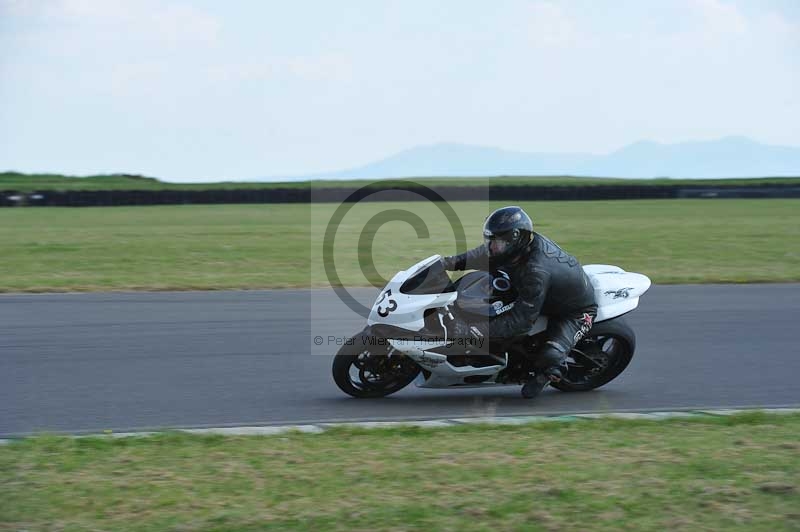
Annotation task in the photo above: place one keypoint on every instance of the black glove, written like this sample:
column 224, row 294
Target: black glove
column 459, row 328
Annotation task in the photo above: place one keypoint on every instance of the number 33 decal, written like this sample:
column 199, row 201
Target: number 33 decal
column 383, row 312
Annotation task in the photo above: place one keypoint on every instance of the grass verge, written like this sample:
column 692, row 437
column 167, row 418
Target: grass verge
column 276, row 246
column 737, row 473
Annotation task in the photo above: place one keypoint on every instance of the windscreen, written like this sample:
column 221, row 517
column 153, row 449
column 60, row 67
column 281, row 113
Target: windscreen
column 431, row 280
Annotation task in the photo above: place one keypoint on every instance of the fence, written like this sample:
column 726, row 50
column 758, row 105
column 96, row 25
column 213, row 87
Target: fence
column 107, row 198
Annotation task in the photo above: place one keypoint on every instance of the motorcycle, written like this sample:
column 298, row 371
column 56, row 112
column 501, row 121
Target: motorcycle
column 406, row 338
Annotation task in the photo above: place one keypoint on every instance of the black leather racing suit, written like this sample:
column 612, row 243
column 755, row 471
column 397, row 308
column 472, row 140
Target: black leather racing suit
column 548, row 281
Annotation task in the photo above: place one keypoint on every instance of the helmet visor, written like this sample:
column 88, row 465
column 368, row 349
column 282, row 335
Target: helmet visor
column 497, row 245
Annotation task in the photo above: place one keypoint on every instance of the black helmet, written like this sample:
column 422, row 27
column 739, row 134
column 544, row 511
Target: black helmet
column 507, row 233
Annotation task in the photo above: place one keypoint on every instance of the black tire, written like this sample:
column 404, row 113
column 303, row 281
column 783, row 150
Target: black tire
column 613, row 341
column 370, row 370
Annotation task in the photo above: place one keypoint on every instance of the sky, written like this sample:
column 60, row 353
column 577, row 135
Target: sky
column 208, row 90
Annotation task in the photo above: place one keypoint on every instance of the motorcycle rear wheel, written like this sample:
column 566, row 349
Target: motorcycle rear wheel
column 365, row 370
column 600, row 357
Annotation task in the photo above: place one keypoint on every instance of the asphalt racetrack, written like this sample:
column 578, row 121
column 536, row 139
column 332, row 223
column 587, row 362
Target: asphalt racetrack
column 90, row 362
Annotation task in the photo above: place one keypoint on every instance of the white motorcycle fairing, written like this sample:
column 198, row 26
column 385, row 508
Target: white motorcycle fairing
column 406, row 311
column 617, row 292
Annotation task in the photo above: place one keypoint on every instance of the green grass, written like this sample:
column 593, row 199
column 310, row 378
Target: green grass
column 43, row 182
column 264, row 246
column 741, row 473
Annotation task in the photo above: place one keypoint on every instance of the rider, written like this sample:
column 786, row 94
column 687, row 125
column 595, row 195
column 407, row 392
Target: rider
column 548, row 280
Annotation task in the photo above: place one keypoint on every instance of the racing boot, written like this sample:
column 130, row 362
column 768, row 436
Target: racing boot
column 548, row 364
column 536, row 384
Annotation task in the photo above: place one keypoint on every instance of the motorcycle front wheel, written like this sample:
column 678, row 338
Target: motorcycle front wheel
column 599, row 358
column 370, row 368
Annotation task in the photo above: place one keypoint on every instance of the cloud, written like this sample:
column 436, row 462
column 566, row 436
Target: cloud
column 720, row 17
column 550, row 25
column 135, row 79
column 143, row 21
column 184, row 23
column 19, row 8
column 122, row 44
column 323, row 67
column 104, row 11
column 118, row 48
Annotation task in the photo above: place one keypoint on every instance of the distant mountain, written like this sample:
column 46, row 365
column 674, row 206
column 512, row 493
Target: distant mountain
column 463, row 160
column 726, row 157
